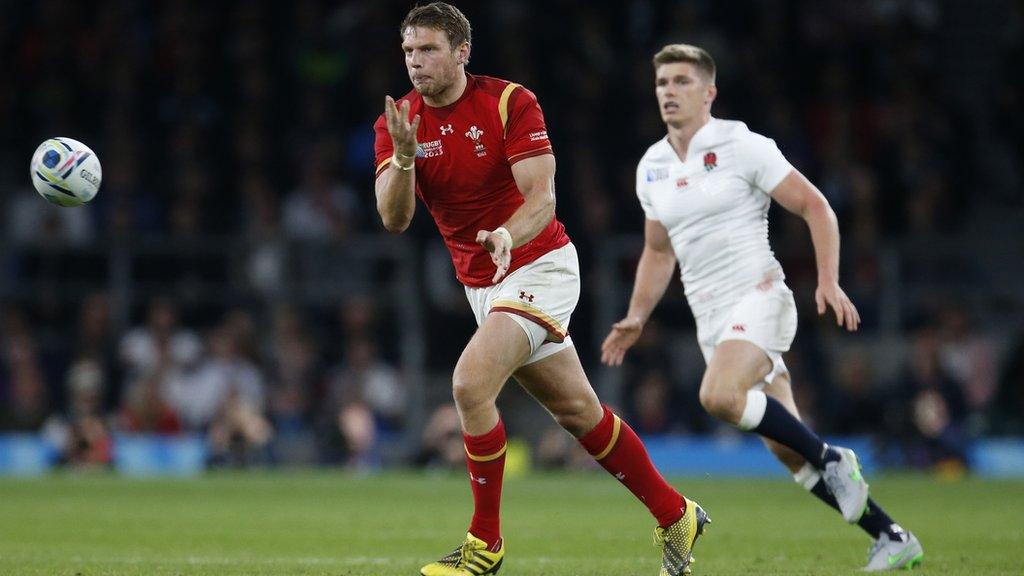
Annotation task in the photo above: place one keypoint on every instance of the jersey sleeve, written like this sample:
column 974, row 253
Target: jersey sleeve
column 526, row 135
column 382, row 146
column 761, row 162
column 642, row 193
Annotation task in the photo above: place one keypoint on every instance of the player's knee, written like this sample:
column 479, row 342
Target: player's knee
column 469, row 393
column 578, row 415
column 721, row 402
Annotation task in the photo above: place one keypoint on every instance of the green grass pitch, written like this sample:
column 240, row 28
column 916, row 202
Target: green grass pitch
column 327, row 523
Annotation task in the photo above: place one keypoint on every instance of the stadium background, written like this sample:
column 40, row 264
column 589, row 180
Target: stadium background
column 231, row 286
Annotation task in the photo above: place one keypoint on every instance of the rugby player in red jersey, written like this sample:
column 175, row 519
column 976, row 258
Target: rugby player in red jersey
column 475, row 150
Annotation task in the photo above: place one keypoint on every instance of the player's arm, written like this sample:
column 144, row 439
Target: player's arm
column 653, row 274
column 395, row 187
column 535, row 178
column 798, row 195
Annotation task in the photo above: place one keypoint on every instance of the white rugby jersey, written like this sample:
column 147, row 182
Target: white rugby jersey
column 715, row 208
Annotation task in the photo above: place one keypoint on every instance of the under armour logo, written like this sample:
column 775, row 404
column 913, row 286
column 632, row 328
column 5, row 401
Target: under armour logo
column 525, row 297
column 739, row 328
column 478, row 480
column 446, row 130
column 620, row 476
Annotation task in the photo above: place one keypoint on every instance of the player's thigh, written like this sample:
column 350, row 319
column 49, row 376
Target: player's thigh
column 495, row 351
column 559, row 383
column 735, row 366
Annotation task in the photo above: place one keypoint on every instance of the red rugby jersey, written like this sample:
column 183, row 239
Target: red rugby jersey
column 464, row 169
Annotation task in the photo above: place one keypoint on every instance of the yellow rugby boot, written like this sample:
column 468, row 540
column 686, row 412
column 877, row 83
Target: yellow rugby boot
column 472, row 558
column 678, row 539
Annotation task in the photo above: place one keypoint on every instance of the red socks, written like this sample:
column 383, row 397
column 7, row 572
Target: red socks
column 485, row 458
column 612, row 443
column 619, row 451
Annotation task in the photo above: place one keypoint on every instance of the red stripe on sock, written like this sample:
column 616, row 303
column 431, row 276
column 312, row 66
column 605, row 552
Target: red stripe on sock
column 485, row 480
column 629, row 463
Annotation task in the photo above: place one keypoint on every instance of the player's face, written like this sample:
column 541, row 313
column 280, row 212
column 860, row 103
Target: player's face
column 430, row 60
column 683, row 92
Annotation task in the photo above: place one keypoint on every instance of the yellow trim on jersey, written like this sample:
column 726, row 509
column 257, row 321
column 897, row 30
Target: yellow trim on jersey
column 383, row 164
column 616, row 427
column 487, row 458
column 552, row 325
column 503, row 105
column 535, row 152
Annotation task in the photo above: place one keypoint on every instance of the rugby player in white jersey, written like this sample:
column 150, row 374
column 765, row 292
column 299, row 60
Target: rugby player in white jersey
column 705, row 190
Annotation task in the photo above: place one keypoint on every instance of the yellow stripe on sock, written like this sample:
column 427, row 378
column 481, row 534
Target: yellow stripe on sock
column 489, row 457
column 615, row 438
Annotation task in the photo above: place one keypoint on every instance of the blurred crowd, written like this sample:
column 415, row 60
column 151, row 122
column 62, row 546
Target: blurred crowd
column 233, row 132
column 260, row 394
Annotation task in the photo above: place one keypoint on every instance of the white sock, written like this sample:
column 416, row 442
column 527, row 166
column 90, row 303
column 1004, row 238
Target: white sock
column 807, row 476
column 753, row 412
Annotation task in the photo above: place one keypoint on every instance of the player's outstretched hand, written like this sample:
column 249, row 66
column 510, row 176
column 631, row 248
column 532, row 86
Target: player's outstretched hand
column 501, row 252
column 831, row 294
column 403, row 132
column 624, row 334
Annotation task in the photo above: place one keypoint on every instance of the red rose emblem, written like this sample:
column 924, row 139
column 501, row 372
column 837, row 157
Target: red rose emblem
column 710, row 160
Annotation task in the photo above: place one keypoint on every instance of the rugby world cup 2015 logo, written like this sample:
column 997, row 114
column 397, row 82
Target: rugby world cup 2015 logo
column 474, row 134
column 710, row 161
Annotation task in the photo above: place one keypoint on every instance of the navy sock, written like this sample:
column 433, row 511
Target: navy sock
column 874, row 521
column 780, row 425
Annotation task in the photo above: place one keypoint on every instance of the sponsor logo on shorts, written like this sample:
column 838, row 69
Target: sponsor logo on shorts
column 739, row 328
column 525, row 297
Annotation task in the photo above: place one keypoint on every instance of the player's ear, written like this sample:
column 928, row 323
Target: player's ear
column 711, row 94
column 462, row 53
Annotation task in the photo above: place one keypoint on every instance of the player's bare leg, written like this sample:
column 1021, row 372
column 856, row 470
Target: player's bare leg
column 734, row 369
column 729, row 392
column 497, row 348
column 890, row 540
column 560, row 385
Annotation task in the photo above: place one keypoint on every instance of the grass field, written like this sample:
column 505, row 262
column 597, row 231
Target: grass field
column 558, row 525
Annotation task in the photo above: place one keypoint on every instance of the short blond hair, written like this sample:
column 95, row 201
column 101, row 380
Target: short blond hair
column 695, row 55
column 440, row 16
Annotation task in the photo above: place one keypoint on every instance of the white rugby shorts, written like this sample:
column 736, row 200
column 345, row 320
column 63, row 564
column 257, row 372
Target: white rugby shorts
column 764, row 317
column 539, row 296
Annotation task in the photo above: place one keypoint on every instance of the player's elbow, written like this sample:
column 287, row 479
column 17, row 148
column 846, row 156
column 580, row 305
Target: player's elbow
column 545, row 206
column 395, row 224
column 817, row 208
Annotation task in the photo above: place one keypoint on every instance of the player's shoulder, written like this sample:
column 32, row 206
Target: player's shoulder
column 501, row 89
column 719, row 131
column 658, row 153
column 734, row 131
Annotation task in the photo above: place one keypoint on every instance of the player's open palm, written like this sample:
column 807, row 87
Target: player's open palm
column 831, row 295
column 403, row 132
column 500, row 249
column 624, row 334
